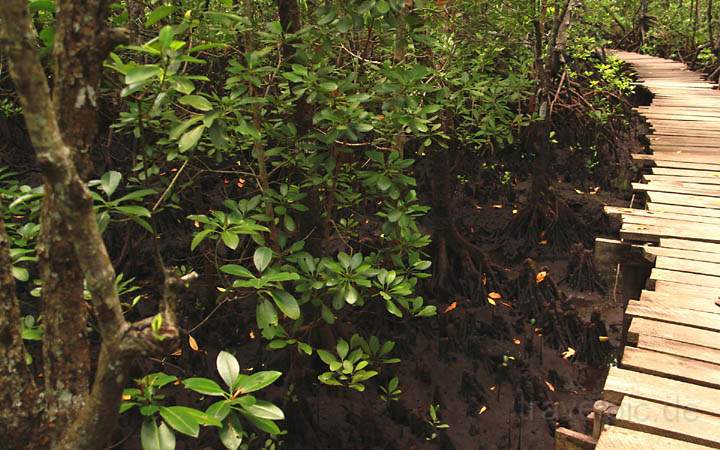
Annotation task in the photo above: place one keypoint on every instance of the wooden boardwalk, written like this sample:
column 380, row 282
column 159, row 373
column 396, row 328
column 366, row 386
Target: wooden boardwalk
column 668, row 381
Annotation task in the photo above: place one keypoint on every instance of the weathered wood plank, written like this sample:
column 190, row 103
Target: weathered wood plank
column 653, row 252
column 672, row 332
column 618, row 438
column 684, row 244
column 669, row 421
column 672, row 366
column 686, row 317
column 642, row 216
column 685, row 265
column 623, row 382
column 695, row 301
column 684, row 349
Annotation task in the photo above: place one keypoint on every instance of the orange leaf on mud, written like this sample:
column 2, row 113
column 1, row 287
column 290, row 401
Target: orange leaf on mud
column 482, row 410
column 550, row 386
column 540, row 277
column 495, row 296
column 193, row 343
column 452, row 306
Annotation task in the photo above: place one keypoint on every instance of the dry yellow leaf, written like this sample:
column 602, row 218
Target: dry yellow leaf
column 550, row 386
column 126, row 397
column 603, row 338
column 482, row 410
column 569, row 353
column 516, row 341
column 193, row 343
column 540, row 277
column 495, row 296
column 450, row 307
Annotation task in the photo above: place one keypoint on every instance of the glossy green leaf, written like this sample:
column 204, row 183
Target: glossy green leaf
column 153, row 437
column 204, row 386
column 228, row 368
column 262, row 258
column 257, row 381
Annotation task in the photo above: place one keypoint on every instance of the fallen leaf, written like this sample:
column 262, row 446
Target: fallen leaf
column 495, row 296
column 126, row 397
column 177, row 352
column 550, row 386
column 515, row 211
column 540, row 277
column 603, row 338
column 251, row 334
column 492, row 388
column 569, row 353
column 543, row 242
column 497, row 206
column 579, row 191
column 452, row 306
column 193, row 343
column 516, row 341
column 482, row 410
column 491, row 301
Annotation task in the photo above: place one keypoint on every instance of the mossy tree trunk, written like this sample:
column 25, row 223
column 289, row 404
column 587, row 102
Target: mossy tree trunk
column 62, row 130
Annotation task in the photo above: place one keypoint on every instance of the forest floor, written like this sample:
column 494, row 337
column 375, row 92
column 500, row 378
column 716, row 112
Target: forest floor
column 498, row 386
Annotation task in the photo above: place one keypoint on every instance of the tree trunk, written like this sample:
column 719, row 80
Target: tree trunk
column 18, row 393
column 82, row 42
column 90, row 426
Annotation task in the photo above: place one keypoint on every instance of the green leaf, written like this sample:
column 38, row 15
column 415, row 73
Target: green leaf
column 230, row 239
column 158, row 14
column 142, row 73
column 342, row 348
column 231, row 433
column 196, row 101
column 165, row 38
column 265, row 425
column 42, row 5
column 228, row 368
column 199, row 237
column 382, row 7
column 266, row 314
column 182, row 419
column 204, row 386
column 134, row 210
column 329, row 86
column 20, row 273
column 326, row 357
column 265, row 410
column 393, row 309
column 153, row 437
column 110, row 181
column 190, row 138
column 287, row 304
column 219, row 410
column 257, row 381
column 262, row 258
column 234, row 269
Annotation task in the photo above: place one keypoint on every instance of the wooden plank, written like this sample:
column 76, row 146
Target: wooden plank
column 618, row 438
column 673, row 161
column 705, row 162
column 686, row 265
column 685, row 317
column 661, row 219
column 654, row 252
column 671, row 366
column 633, row 215
column 685, row 278
column 653, row 233
column 666, row 171
column 669, row 421
column 698, row 201
column 566, row 439
column 684, row 349
column 679, row 209
column 682, row 180
column 622, row 382
column 672, row 332
column 685, row 289
column 696, row 301
column 684, row 244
